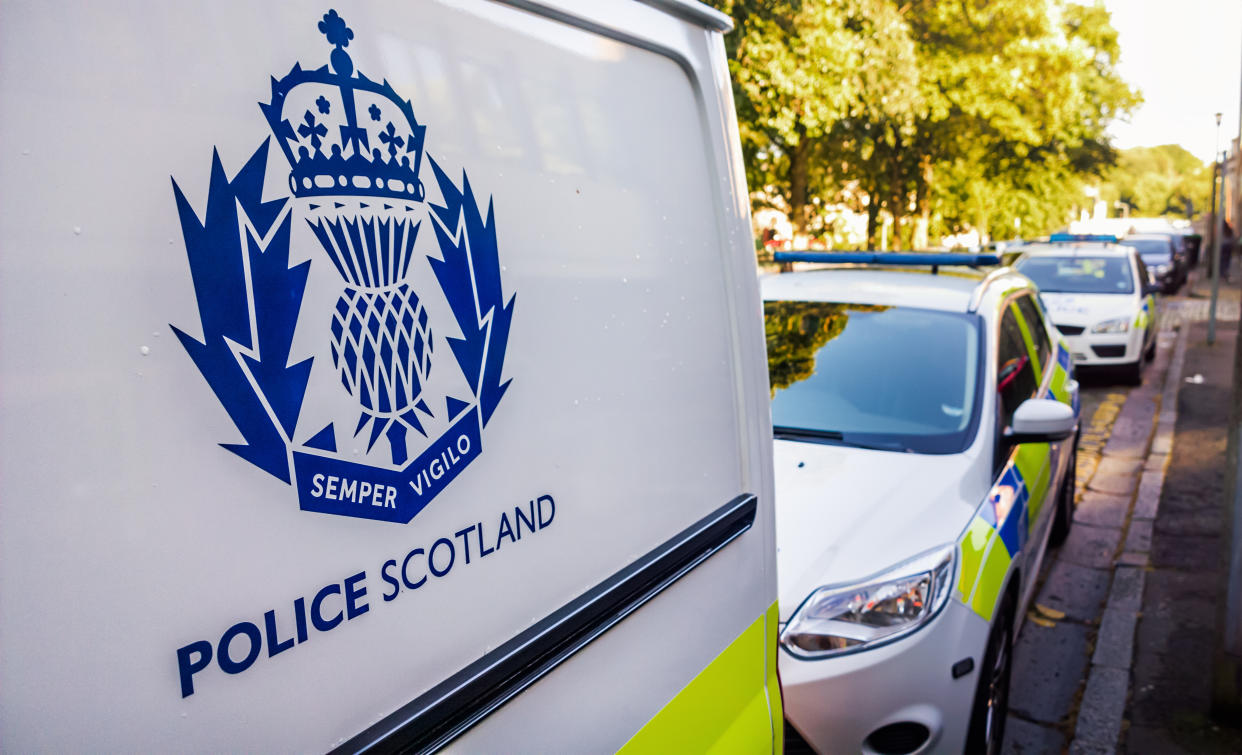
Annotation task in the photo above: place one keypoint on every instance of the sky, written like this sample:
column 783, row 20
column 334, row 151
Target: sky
column 1186, row 57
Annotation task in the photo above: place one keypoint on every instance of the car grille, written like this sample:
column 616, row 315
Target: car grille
column 1109, row 351
column 1071, row 330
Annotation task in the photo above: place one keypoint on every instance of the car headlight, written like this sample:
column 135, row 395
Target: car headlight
column 1115, row 325
column 840, row 619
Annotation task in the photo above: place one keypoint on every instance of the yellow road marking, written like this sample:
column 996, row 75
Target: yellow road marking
column 1050, row 613
column 1040, row 620
column 1095, row 436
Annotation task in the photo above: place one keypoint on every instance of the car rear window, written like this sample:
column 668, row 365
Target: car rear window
column 1153, row 251
column 1079, row 275
column 892, row 378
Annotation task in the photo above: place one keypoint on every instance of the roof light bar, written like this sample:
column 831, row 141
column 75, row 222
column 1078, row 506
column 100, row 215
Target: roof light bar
column 1070, row 238
column 933, row 259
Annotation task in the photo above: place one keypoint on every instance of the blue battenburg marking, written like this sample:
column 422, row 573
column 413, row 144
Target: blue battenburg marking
column 1063, row 359
column 1006, row 509
column 1013, row 529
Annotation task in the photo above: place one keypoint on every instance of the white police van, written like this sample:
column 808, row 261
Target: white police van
column 379, row 376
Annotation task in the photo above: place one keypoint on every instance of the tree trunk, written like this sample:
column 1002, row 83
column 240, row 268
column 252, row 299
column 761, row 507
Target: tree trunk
column 799, row 167
column 923, row 199
column 896, row 205
column 873, row 215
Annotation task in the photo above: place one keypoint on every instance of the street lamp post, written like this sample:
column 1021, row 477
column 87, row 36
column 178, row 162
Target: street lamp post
column 1209, row 235
column 1218, row 221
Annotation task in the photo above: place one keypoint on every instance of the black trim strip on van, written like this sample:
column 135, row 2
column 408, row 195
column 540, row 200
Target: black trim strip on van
column 465, row 698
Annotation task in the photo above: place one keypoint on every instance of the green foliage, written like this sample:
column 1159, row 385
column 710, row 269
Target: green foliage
column 798, row 69
column 943, row 113
column 796, row 331
column 1164, row 180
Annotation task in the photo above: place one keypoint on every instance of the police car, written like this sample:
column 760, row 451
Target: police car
column 1101, row 298
column 925, row 423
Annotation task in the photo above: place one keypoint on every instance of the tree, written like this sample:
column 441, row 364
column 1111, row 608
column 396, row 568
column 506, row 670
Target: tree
column 1019, row 95
column 954, row 112
column 1164, row 180
column 796, row 331
column 799, row 68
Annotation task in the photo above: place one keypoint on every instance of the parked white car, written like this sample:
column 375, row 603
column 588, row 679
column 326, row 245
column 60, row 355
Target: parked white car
column 1101, row 298
column 925, row 431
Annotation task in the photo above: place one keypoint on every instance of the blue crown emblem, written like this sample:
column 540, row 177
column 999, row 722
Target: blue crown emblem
column 355, row 150
column 343, row 133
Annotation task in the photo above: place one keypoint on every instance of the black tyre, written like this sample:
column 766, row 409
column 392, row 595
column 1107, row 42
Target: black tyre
column 1150, row 353
column 1132, row 374
column 991, row 706
column 1064, row 518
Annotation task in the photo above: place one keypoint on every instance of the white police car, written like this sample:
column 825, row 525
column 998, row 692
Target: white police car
column 924, row 457
column 1100, row 297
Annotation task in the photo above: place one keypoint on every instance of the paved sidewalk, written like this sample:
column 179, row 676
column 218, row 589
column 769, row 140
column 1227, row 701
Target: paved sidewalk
column 1072, row 657
column 1127, row 606
column 1173, row 659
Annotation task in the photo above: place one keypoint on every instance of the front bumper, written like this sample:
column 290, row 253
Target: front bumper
column 837, row 703
column 1092, row 349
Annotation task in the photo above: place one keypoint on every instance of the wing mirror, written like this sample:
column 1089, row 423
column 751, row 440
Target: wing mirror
column 1041, row 420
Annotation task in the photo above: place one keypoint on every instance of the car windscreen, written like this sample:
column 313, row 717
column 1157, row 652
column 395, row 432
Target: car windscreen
column 1079, row 275
column 890, row 378
column 1153, row 251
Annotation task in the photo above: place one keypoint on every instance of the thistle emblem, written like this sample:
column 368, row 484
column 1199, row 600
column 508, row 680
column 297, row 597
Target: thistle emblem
column 355, row 154
column 355, row 151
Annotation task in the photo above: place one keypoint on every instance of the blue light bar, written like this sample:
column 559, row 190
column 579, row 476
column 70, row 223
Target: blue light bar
column 1070, row 238
column 934, row 259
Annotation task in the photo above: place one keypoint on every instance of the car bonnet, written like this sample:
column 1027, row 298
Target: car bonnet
column 844, row 514
column 1089, row 309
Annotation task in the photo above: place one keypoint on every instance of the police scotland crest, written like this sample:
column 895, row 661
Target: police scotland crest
column 413, row 393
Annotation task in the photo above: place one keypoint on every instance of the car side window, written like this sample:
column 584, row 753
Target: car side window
column 1015, row 373
column 1039, row 329
column 1145, row 277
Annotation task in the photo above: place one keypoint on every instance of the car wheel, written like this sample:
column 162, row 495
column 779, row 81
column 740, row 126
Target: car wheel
column 991, row 705
column 1132, row 374
column 1064, row 518
column 1150, row 354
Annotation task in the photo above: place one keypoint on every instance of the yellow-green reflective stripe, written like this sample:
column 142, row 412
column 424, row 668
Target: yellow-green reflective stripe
column 974, row 546
column 1057, row 386
column 1034, row 467
column 1026, row 337
column 776, row 704
column 991, row 580
column 733, row 705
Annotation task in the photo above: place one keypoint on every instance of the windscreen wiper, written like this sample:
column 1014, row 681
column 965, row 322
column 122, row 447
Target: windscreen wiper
column 813, row 435
column 805, row 433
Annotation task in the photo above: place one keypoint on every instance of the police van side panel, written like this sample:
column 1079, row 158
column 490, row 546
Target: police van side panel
column 378, row 372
